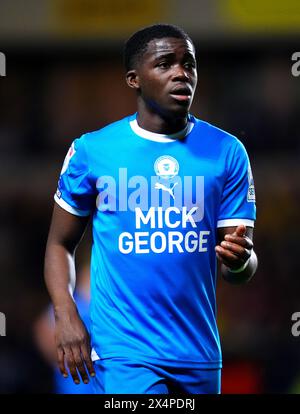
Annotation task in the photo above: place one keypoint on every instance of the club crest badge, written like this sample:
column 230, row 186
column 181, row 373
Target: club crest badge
column 166, row 167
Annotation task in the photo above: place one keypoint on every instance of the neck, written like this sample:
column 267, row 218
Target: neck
column 161, row 124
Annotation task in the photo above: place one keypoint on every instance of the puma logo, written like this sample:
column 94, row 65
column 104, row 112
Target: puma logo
column 159, row 186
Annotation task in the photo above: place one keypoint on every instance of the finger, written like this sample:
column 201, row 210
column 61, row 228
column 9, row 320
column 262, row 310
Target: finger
column 85, row 352
column 240, row 230
column 229, row 258
column 233, row 247
column 242, row 241
column 222, row 260
column 79, row 364
column 238, row 250
column 61, row 362
column 72, row 365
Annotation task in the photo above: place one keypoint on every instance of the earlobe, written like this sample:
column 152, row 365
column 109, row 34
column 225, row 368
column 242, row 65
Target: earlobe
column 132, row 79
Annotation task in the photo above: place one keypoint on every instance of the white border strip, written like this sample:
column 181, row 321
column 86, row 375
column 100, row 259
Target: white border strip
column 235, row 222
column 152, row 136
column 69, row 208
column 94, row 355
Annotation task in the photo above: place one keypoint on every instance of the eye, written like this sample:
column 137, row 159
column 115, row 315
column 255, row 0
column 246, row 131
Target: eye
column 163, row 65
column 190, row 65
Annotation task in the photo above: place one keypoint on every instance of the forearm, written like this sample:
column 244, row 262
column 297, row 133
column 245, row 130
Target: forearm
column 243, row 276
column 60, row 277
column 65, row 233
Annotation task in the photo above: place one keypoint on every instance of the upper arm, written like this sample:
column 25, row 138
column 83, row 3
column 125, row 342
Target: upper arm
column 75, row 198
column 237, row 205
column 76, row 192
column 66, row 229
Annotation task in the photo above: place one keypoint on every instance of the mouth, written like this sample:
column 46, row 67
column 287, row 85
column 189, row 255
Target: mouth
column 182, row 94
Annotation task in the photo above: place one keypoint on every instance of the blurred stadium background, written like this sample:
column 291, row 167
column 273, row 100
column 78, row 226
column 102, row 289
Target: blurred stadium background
column 64, row 76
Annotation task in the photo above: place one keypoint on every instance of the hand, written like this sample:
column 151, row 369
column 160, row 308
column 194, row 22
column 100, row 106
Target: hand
column 235, row 250
column 73, row 346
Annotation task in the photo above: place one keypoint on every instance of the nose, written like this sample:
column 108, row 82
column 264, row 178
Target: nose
column 180, row 74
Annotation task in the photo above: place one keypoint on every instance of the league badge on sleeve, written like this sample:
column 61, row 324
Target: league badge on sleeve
column 251, row 189
column 58, row 193
column 68, row 157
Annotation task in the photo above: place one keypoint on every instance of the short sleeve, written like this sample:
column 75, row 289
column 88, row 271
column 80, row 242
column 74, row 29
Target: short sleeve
column 75, row 192
column 238, row 198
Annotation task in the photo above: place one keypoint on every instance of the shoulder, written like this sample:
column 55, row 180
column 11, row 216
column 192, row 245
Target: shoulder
column 218, row 144
column 109, row 131
column 215, row 133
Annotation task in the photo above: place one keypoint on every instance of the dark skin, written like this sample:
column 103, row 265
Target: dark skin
column 164, row 80
column 71, row 337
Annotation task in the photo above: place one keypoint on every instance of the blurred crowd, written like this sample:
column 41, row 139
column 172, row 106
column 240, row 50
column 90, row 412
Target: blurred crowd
column 52, row 96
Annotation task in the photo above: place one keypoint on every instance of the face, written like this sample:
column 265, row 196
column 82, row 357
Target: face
column 166, row 77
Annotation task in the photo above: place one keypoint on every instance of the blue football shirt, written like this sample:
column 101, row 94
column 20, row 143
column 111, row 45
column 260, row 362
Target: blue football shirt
column 157, row 201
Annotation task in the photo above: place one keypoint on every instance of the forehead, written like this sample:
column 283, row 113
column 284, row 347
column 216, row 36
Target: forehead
column 169, row 45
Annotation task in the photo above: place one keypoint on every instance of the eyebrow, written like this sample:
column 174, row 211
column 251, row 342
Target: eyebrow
column 161, row 55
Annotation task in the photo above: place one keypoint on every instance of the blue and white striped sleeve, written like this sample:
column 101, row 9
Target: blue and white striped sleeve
column 76, row 192
column 238, row 199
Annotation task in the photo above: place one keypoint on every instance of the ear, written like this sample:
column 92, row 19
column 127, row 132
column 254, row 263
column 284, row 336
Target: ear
column 132, row 79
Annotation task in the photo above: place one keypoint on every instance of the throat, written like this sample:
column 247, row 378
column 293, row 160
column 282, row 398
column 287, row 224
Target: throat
column 161, row 125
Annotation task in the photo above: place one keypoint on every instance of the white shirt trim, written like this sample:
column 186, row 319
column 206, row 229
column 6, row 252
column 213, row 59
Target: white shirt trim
column 94, row 355
column 163, row 138
column 69, row 208
column 235, row 222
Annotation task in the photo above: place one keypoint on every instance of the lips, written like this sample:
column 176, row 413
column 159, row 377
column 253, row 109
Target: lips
column 181, row 90
column 182, row 93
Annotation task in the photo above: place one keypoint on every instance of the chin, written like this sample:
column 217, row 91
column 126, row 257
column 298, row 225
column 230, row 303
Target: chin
column 180, row 112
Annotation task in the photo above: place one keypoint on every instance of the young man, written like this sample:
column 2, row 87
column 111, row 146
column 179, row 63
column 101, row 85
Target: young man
column 168, row 194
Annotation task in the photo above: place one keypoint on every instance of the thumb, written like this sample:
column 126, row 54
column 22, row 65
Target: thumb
column 240, row 230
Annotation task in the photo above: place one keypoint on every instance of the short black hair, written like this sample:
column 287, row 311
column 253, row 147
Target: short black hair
column 137, row 44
